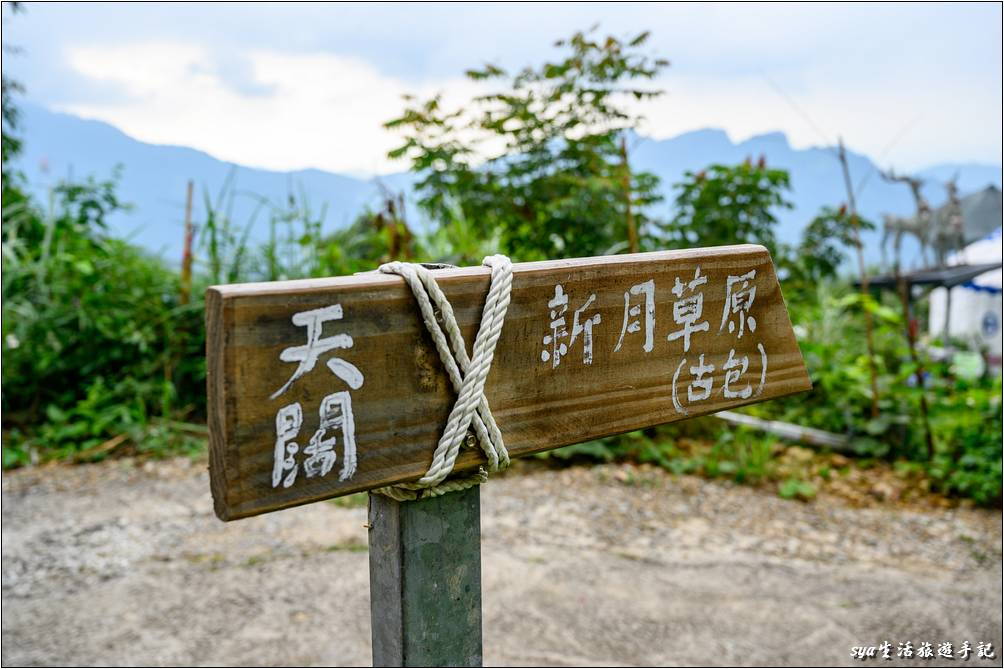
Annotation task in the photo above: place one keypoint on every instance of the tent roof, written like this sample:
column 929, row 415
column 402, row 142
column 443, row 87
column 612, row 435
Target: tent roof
column 947, row 277
column 981, row 212
column 986, row 250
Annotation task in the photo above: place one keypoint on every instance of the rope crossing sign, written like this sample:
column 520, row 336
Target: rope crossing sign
column 415, row 383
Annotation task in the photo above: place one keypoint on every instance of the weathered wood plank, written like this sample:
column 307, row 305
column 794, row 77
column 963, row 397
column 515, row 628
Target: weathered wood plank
column 401, row 406
column 425, row 580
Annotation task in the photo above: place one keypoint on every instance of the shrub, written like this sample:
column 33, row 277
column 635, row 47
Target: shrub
column 94, row 338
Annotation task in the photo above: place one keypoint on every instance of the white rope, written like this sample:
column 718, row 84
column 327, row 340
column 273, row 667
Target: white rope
column 467, row 374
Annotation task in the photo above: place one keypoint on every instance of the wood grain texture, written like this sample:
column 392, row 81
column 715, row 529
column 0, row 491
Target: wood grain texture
column 402, row 406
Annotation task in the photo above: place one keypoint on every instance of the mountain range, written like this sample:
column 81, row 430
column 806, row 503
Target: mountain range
column 153, row 178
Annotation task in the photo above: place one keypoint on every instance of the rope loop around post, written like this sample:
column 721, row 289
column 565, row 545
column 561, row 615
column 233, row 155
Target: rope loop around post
column 467, row 375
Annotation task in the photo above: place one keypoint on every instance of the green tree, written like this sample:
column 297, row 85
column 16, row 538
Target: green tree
column 824, row 245
column 542, row 161
column 11, row 186
column 11, row 143
column 375, row 237
column 729, row 205
column 93, row 336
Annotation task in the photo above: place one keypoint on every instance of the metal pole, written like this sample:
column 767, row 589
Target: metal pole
column 425, row 580
column 948, row 315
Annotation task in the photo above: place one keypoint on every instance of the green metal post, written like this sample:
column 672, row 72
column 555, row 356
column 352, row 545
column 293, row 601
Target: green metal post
column 425, row 580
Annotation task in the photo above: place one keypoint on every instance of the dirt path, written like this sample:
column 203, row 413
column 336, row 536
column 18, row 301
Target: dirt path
column 125, row 564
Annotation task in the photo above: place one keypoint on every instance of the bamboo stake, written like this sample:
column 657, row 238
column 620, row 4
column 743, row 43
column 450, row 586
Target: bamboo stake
column 903, row 288
column 869, row 337
column 186, row 258
column 626, row 181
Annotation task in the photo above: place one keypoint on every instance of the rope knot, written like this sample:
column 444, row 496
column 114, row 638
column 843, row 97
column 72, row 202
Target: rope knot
column 467, row 375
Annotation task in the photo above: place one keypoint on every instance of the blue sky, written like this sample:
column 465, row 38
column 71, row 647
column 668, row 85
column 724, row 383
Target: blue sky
column 289, row 86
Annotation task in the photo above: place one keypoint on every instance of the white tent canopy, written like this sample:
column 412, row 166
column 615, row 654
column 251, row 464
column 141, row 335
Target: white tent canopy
column 973, row 310
column 985, row 250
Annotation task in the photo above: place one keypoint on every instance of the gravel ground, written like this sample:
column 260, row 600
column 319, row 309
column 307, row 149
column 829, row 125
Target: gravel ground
column 124, row 563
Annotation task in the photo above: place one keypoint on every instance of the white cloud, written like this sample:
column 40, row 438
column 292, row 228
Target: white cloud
column 913, row 122
column 308, row 110
column 291, row 110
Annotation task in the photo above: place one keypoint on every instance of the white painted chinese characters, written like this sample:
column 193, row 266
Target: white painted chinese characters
column 581, row 325
column 694, row 377
column 737, row 319
column 739, row 296
column 688, row 310
column 646, row 290
column 335, row 411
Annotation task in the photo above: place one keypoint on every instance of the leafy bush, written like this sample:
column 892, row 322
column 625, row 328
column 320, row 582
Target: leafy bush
column 541, row 162
column 725, row 204
column 94, row 340
column 796, row 489
column 102, row 346
column 699, row 446
column 964, row 416
column 966, row 422
column 823, row 249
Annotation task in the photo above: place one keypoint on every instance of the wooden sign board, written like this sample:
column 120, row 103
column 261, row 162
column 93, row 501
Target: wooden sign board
column 324, row 387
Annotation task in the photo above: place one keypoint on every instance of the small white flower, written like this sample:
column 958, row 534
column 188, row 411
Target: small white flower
column 12, row 341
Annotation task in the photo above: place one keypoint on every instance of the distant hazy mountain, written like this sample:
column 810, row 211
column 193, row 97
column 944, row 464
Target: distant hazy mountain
column 816, row 177
column 153, row 177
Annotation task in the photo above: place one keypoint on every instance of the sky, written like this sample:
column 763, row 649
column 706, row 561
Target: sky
column 287, row 86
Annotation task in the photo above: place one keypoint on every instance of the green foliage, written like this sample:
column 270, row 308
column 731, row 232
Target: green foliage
column 821, row 253
column 598, row 450
column 107, row 418
column 539, row 161
column 95, row 343
column 459, row 242
column 796, row 489
column 682, row 448
column 357, row 500
column 826, row 239
column 830, row 330
column 297, row 246
column 966, row 422
column 728, row 205
column 77, row 304
column 965, row 416
column 101, row 414
column 641, row 445
column 740, row 454
column 223, row 243
column 375, row 237
column 10, row 143
column 101, row 350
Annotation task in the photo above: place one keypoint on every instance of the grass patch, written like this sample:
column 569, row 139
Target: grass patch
column 357, row 500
